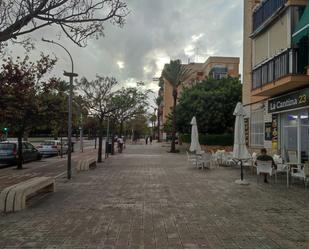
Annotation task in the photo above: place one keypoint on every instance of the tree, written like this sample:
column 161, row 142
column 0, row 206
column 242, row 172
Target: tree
column 175, row 73
column 153, row 119
column 139, row 126
column 128, row 103
column 21, row 93
column 212, row 102
column 77, row 19
column 98, row 94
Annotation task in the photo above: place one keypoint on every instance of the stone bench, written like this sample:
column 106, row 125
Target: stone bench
column 86, row 164
column 14, row 198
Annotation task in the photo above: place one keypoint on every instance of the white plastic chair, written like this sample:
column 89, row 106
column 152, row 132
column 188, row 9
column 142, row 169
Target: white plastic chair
column 214, row 160
column 301, row 172
column 219, row 156
column 204, row 160
column 266, row 168
column 191, row 159
column 292, row 154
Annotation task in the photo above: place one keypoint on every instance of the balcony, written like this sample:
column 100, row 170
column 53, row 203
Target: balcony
column 265, row 11
column 279, row 74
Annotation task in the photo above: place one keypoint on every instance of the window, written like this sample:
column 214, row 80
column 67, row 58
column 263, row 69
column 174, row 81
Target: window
column 295, row 136
column 257, row 128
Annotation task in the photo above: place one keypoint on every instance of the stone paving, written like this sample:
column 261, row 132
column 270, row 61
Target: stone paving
column 146, row 198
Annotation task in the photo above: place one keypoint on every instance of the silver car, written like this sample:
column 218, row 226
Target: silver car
column 52, row 147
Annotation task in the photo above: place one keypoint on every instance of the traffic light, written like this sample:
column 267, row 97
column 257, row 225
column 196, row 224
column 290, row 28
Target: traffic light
column 5, row 129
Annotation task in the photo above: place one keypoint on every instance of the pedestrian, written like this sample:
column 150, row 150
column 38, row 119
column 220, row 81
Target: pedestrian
column 146, row 140
column 264, row 157
column 120, row 144
column 150, row 139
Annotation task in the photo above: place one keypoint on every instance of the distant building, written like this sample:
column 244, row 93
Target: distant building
column 275, row 76
column 214, row 67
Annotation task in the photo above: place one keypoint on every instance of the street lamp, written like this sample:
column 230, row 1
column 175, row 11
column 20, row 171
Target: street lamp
column 81, row 132
column 70, row 75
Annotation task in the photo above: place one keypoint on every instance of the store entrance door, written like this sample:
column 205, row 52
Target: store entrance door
column 295, row 136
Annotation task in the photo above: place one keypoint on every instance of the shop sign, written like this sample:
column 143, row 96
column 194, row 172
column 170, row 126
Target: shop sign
column 290, row 101
column 268, row 131
column 274, row 132
column 247, row 131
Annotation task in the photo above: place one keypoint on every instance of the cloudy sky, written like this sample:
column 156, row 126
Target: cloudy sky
column 155, row 32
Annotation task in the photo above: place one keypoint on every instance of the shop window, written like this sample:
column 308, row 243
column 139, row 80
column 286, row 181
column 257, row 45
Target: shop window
column 257, row 128
column 295, row 136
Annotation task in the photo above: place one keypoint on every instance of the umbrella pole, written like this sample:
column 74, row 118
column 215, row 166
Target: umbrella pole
column 241, row 171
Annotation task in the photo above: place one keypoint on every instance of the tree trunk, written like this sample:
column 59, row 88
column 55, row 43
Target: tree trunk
column 121, row 128
column 159, row 140
column 113, row 142
column 20, row 151
column 100, row 141
column 173, row 145
column 26, row 135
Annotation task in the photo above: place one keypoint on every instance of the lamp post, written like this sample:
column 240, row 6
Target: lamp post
column 159, row 113
column 81, row 133
column 71, row 75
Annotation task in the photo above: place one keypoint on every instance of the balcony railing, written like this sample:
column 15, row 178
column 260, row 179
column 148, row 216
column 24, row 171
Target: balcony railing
column 265, row 11
column 275, row 68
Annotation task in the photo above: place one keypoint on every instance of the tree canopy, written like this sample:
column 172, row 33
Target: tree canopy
column 77, row 19
column 175, row 73
column 129, row 103
column 212, row 102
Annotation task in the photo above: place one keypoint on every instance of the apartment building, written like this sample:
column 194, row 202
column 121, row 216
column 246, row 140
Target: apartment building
column 276, row 78
column 215, row 67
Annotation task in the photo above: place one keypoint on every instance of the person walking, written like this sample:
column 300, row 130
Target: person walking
column 146, row 140
column 120, row 144
column 150, row 139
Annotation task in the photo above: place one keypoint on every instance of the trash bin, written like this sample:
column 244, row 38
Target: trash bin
column 108, row 147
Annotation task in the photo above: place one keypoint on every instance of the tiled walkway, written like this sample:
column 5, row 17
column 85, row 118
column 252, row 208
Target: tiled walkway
column 147, row 198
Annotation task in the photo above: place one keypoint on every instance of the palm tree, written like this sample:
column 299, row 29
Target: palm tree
column 175, row 73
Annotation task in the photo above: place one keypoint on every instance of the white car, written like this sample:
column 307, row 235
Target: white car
column 52, row 147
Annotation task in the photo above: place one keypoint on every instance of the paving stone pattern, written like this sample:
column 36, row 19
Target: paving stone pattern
column 146, row 198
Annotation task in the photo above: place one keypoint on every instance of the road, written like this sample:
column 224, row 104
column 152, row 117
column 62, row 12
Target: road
column 48, row 166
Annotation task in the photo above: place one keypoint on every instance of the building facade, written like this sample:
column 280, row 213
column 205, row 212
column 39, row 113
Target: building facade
column 275, row 77
column 215, row 67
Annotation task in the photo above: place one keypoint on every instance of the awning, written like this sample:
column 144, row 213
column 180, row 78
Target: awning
column 302, row 28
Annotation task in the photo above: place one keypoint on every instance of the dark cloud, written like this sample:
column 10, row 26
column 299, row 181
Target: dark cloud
column 155, row 31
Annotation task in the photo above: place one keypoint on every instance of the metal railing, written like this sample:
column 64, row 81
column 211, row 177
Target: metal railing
column 275, row 68
column 265, row 11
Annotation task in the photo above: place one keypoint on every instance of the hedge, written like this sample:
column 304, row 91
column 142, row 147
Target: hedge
column 211, row 139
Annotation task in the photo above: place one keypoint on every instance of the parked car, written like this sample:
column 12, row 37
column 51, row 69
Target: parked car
column 8, row 152
column 52, row 147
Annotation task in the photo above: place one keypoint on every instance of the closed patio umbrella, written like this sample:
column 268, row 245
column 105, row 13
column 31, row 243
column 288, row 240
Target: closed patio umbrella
column 195, row 144
column 240, row 151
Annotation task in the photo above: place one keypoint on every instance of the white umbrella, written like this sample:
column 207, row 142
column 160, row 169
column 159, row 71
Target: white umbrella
column 240, row 151
column 195, row 144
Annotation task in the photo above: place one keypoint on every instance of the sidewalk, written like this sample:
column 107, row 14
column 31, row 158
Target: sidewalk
column 147, row 198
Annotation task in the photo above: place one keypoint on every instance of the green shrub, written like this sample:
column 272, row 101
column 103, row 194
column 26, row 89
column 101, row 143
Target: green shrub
column 210, row 139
